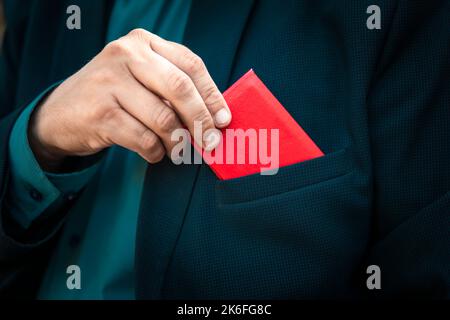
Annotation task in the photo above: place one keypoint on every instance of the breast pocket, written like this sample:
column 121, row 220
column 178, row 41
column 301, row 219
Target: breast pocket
column 305, row 227
column 288, row 180
column 320, row 200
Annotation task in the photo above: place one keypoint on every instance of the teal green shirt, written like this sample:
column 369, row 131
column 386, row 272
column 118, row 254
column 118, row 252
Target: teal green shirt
column 99, row 234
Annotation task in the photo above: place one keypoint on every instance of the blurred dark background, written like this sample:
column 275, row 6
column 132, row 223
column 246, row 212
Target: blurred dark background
column 2, row 22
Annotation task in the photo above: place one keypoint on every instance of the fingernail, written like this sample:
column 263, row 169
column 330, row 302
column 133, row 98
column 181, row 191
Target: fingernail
column 212, row 139
column 222, row 117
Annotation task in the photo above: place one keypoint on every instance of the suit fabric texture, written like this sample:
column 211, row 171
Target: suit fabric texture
column 375, row 101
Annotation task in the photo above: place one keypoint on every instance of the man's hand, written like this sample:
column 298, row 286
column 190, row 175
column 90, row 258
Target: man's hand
column 134, row 93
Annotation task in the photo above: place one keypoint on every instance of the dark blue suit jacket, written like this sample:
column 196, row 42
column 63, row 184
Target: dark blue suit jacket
column 376, row 102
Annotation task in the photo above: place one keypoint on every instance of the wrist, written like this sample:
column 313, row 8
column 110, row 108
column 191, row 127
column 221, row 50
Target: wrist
column 49, row 157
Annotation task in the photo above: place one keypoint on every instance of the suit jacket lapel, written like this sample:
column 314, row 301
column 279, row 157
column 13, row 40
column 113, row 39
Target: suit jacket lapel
column 213, row 32
column 79, row 46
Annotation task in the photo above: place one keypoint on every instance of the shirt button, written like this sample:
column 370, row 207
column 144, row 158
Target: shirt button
column 71, row 196
column 35, row 195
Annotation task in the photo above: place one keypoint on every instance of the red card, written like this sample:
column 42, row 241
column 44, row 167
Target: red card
column 262, row 135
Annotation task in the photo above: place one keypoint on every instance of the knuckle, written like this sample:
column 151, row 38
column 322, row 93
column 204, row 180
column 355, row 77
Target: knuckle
column 149, row 142
column 194, row 64
column 156, row 156
column 166, row 120
column 110, row 116
column 179, row 83
column 117, row 48
column 138, row 33
column 212, row 96
column 203, row 117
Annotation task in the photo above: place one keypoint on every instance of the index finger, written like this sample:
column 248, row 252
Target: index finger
column 194, row 67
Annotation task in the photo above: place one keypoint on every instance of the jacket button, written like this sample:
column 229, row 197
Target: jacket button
column 35, row 195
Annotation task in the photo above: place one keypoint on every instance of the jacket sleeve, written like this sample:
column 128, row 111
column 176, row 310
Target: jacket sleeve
column 22, row 254
column 409, row 119
column 20, row 262
column 32, row 191
column 27, row 228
